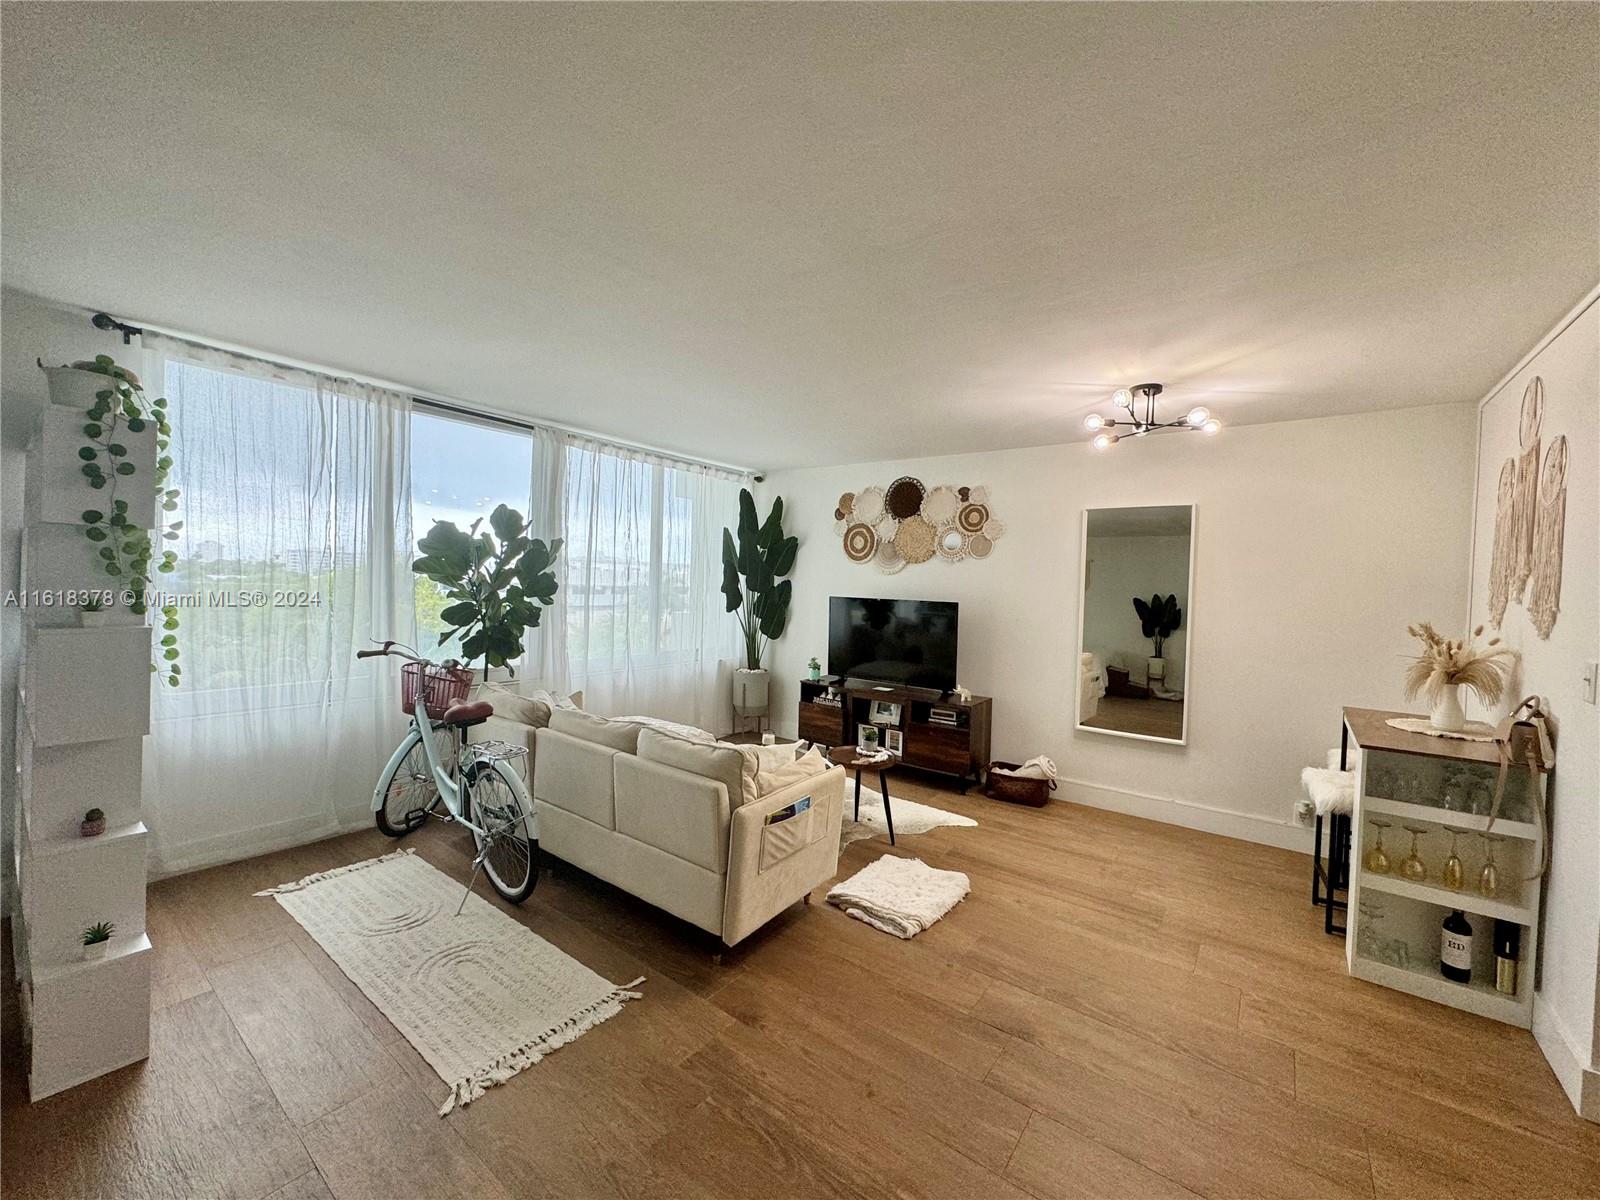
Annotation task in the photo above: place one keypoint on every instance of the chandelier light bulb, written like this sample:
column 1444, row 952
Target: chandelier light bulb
column 1211, row 426
column 1122, row 398
column 1093, row 422
column 1198, row 416
column 1104, row 441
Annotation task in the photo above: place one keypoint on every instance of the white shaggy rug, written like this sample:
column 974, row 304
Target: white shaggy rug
column 910, row 818
column 478, row 995
column 902, row 896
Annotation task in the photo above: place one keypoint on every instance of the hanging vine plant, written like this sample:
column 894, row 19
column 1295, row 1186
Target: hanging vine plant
column 128, row 551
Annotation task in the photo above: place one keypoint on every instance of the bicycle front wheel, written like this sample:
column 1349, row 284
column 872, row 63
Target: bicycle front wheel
column 499, row 806
column 409, row 793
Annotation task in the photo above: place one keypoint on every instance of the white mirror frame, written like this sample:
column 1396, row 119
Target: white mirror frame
column 1188, row 639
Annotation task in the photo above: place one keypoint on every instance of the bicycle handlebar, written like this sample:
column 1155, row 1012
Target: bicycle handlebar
column 394, row 648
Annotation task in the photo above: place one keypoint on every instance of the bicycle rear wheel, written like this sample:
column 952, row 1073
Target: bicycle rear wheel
column 498, row 806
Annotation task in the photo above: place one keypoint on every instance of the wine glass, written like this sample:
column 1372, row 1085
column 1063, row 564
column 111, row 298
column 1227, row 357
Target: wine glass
column 1454, row 875
column 1412, row 866
column 1489, row 877
column 1376, row 858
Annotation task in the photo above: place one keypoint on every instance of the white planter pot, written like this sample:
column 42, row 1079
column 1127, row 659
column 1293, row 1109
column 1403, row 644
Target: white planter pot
column 1447, row 716
column 98, row 950
column 750, row 691
column 75, row 388
column 1156, row 669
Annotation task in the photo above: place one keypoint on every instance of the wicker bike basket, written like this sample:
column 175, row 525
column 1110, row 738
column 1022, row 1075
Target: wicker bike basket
column 1035, row 792
column 440, row 687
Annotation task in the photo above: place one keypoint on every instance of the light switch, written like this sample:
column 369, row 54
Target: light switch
column 1591, row 681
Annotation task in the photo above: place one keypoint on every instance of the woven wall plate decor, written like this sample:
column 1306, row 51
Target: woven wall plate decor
column 904, row 497
column 859, row 542
column 971, row 518
column 910, row 522
column 915, row 540
column 889, row 560
column 868, row 505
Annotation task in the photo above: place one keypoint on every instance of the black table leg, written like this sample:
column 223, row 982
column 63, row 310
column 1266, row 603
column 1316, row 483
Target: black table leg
column 883, row 790
column 858, row 794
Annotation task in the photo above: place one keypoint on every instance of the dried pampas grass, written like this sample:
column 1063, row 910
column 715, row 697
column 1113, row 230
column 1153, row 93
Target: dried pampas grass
column 1483, row 669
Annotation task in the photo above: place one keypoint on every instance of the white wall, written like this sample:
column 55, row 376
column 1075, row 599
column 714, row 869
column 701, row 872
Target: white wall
column 1316, row 543
column 32, row 330
column 1564, row 1013
column 1121, row 568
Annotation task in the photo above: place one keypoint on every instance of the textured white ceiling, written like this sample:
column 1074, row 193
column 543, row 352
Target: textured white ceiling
column 777, row 235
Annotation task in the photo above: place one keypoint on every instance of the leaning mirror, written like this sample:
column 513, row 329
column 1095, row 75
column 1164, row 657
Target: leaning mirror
column 1134, row 585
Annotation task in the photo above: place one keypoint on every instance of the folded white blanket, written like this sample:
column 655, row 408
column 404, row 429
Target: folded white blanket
column 902, row 896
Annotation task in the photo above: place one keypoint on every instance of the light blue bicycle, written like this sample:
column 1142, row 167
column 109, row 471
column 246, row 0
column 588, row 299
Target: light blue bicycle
column 477, row 785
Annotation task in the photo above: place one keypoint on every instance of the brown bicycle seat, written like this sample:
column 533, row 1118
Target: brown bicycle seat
column 467, row 711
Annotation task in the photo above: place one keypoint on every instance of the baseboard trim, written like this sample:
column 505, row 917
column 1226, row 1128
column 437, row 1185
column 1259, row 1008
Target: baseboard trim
column 252, row 843
column 1581, row 1083
column 1248, row 827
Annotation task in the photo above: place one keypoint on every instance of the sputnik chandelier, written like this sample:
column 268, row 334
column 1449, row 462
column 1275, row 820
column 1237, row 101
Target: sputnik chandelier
column 1140, row 406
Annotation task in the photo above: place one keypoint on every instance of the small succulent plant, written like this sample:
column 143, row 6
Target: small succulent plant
column 92, row 605
column 94, row 814
column 100, row 931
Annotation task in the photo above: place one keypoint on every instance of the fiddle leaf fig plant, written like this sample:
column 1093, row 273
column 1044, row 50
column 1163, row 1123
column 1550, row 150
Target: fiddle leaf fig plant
column 759, row 561
column 498, row 582
column 127, row 552
column 1159, row 618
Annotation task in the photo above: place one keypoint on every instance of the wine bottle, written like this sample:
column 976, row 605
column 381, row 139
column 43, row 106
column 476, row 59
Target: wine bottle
column 1507, row 945
column 1455, row 948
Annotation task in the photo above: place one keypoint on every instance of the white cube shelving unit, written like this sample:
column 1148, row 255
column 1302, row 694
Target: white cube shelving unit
column 83, row 711
column 1442, row 788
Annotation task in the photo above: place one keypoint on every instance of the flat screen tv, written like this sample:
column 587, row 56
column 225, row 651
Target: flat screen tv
column 908, row 642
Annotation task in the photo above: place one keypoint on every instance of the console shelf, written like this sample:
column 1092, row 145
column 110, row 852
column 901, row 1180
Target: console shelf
column 940, row 733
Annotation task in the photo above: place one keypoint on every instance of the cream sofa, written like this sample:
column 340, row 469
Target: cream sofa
column 680, row 823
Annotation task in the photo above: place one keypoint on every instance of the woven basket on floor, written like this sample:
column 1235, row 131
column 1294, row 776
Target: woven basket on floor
column 1035, row 792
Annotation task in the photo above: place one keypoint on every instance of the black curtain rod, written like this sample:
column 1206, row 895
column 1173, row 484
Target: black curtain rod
column 107, row 322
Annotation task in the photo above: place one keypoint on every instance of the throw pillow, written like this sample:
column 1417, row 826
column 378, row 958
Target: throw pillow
column 619, row 735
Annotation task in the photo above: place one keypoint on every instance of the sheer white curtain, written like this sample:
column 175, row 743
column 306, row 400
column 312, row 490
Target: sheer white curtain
column 294, row 553
column 639, row 619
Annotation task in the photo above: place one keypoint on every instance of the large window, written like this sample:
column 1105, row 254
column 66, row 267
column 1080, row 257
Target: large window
column 460, row 471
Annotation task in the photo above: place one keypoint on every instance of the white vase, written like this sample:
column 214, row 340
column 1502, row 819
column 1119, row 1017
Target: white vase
column 750, row 690
column 1156, row 669
column 76, row 388
column 96, row 950
column 1447, row 716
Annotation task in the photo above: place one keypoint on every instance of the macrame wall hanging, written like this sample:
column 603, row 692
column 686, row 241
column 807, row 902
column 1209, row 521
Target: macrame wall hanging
column 909, row 522
column 1526, row 499
column 1530, row 513
column 1544, row 584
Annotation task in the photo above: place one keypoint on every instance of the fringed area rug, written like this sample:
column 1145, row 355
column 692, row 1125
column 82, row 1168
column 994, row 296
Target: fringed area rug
column 909, row 817
column 479, row 996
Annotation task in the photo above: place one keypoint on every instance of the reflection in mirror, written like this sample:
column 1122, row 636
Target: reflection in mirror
column 1133, row 641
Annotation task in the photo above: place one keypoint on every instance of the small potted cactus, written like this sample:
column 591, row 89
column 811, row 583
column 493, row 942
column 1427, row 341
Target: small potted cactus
column 92, row 613
column 93, row 823
column 97, row 939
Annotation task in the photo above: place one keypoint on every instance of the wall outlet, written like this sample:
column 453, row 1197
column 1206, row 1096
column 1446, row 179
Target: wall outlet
column 1591, row 682
column 1305, row 812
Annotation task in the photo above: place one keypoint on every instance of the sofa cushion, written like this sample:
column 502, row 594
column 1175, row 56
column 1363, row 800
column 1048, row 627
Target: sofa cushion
column 618, row 735
column 530, row 708
column 717, row 761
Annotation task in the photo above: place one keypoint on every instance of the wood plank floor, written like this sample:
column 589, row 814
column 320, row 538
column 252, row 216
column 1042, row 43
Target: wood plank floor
column 1120, row 1009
